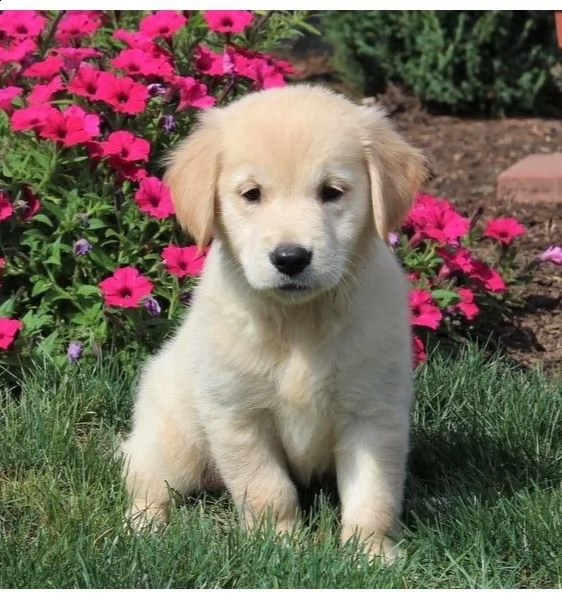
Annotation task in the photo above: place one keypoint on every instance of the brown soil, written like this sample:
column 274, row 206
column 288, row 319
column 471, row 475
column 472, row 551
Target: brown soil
column 465, row 156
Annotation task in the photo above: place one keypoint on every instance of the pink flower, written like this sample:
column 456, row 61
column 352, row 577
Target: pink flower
column 418, row 350
column 8, row 330
column 424, row 311
column 504, row 230
column 462, row 260
column 74, row 57
column 86, row 82
column 193, row 93
column 125, row 146
column 163, row 23
column 228, row 21
column 70, row 127
column 7, row 94
column 122, row 93
column 153, row 197
column 135, row 61
column 75, row 25
column 466, row 304
column 487, row 277
column 134, row 39
column 184, row 261
column 45, row 69
column 436, row 219
column 6, row 208
column 553, row 255
column 42, row 94
column 18, row 51
column 31, row 118
column 125, row 288
column 208, row 62
column 21, row 23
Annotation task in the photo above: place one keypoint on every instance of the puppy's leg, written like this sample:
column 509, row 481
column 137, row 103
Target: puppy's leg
column 165, row 450
column 251, row 463
column 370, row 466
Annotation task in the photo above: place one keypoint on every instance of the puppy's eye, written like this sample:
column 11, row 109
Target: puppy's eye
column 252, row 195
column 330, row 193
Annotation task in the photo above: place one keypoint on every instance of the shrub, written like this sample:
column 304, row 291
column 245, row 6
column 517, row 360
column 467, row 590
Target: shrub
column 490, row 62
column 89, row 253
column 90, row 101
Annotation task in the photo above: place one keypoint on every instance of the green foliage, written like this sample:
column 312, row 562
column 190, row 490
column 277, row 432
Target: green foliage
column 490, row 62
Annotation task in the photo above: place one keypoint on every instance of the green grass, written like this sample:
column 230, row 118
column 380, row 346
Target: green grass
column 483, row 503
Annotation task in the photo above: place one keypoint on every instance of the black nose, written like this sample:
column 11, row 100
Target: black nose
column 290, row 259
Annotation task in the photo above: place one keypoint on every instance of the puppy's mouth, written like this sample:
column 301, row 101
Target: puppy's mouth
column 292, row 287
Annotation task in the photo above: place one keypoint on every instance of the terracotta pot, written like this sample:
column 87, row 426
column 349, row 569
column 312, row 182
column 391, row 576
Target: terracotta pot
column 558, row 21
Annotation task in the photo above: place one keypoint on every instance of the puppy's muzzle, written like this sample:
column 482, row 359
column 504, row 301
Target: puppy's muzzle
column 290, row 259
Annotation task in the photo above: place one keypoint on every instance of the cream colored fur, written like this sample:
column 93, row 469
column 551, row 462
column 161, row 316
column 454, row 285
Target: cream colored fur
column 259, row 382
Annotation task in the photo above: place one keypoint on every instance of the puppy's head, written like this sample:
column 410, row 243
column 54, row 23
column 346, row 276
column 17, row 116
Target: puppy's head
column 292, row 179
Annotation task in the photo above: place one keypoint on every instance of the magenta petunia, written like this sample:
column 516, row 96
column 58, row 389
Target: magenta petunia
column 193, row 93
column 208, row 62
column 123, row 94
column 86, row 82
column 32, row 117
column 436, row 219
column 43, row 93
column 126, row 146
column 424, row 312
column 153, row 197
column 135, row 61
column 73, row 58
column 125, row 288
column 45, row 69
column 75, row 25
column 8, row 330
column 184, row 261
column 228, row 21
column 504, row 230
column 466, row 304
column 418, row 350
column 7, row 94
column 70, row 127
column 6, row 208
column 163, row 23
column 18, row 51
column 21, row 23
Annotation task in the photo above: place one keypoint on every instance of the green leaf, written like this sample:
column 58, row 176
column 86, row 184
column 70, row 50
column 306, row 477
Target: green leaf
column 41, row 286
column 87, row 290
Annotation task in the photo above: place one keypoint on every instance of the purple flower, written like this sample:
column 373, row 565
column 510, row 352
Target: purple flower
column 553, row 255
column 74, row 351
column 393, row 239
column 152, row 306
column 169, row 123
column 156, row 89
column 81, row 247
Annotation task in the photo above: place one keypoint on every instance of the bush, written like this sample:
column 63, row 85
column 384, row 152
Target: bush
column 490, row 62
column 90, row 256
column 90, row 102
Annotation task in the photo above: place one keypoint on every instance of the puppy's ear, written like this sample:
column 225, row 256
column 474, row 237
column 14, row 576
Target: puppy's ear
column 191, row 175
column 396, row 171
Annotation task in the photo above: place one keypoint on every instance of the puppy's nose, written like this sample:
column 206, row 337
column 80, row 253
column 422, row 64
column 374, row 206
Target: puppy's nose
column 290, row 259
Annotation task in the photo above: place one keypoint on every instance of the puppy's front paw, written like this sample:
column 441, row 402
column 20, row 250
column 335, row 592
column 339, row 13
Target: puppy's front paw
column 383, row 550
column 142, row 517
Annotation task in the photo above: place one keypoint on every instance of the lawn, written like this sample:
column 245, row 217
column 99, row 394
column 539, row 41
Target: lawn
column 483, row 502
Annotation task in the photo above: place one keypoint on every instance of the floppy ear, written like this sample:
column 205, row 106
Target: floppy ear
column 396, row 170
column 192, row 178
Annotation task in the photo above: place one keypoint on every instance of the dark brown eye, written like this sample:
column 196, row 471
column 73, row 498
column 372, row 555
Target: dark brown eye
column 330, row 193
column 252, row 195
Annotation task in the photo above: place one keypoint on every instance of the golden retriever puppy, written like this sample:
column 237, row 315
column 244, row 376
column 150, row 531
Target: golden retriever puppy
column 295, row 357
